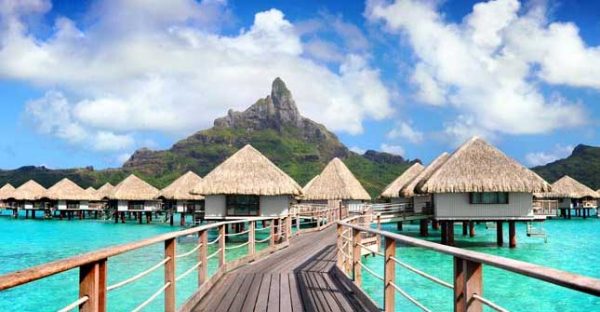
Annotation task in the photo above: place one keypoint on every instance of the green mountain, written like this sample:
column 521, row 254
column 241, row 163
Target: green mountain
column 273, row 125
column 582, row 165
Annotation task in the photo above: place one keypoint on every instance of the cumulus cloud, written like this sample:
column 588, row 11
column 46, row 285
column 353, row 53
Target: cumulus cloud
column 156, row 67
column 358, row 150
column 392, row 149
column 491, row 67
column 542, row 158
column 404, row 130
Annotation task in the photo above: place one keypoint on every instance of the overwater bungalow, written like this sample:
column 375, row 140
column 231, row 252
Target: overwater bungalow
column 247, row 184
column 422, row 203
column 6, row 192
column 133, row 195
column 336, row 185
column 69, row 198
column 480, row 183
column 569, row 194
column 177, row 197
column 30, row 196
column 392, row 190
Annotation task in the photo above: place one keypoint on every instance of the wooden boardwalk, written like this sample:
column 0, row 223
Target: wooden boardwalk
column 298, row 278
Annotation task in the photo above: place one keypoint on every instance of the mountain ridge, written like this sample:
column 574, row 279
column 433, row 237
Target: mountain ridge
column 583, row 165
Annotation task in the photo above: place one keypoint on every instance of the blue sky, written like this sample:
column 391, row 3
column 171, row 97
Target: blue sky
column 88, row 82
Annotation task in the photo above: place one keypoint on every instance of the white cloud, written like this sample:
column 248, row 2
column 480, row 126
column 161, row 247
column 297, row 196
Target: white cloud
column 489, row 66
column 166, row 68
column 108, row 141
column 404, row 130
column 542, row 158
column 392, row 149
column 122, row 158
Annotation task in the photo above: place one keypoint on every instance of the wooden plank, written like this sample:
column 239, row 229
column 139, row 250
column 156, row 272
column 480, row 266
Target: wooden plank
column 295, row 295
column 263, row 294
column 340, row 294
column 230, row 293
column 285, row 300
column 252, row 296
column 273, row 302
column 242, row 293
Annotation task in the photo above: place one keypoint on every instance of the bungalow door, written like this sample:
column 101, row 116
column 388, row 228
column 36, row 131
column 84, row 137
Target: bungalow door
column 242, row 205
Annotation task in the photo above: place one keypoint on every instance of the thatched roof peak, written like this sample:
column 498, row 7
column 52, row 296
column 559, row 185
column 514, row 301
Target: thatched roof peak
column 393, row 189
column 477, row 166
column 247, row 172
column 29, row 191
column 180, row 189
column 335, row 182
column 104, row 191
column 66, row 189
column 6, row 191
column 133, row 188
column 567, row 187
column 409, row 190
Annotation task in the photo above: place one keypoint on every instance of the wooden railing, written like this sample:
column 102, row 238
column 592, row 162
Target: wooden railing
column 93, row 270
column 315, row 217
column 468, row 268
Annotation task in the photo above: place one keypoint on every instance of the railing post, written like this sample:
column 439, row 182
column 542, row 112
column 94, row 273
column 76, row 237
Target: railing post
column 298, row 224
column 468, row 280
column 170, row 275
column 389, row 275
column 340, row 244
column 202, row 257
column 288, row 228
column 379, row 229
column 92, row 283
column 272, row 233
column 222, row 238
column 356, row 268
column 252, row 238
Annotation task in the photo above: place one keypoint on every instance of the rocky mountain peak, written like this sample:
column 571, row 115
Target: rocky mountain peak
column 275, row 111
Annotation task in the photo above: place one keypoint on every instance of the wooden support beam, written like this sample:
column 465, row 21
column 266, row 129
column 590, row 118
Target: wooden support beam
column 202, row 257
column 450, row 225
column 512, row 234
column 468, row 280
column 389, row 293
column 252, row 237
column 471, row 228
column 465, row 226
column 222, row 239
column 356, row 267
column 170, row 275
column 444, row 234
column 423, row 227
column 435, row 225
column 379, row 228
column 399, row 226
column 340, row 243
column 272, row 233
column 499, row 234
column 92, row 283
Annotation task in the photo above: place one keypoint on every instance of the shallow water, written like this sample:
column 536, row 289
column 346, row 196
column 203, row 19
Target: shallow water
column 573, row 245
column 25, row 243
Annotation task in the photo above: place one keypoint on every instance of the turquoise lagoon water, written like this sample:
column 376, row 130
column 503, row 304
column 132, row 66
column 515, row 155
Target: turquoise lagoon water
column 573, row 245
column 25, row 243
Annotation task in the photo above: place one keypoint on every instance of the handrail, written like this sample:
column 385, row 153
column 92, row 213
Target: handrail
column 44, row 270
column 75, row 304
column 409, row 297
column 138, row 276
column 151, row 298
column 190, row 270
column 554, row 276
column 189, row 252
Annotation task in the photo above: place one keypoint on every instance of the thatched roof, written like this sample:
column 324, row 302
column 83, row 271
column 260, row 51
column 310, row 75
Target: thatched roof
column 133, row 188
column 477, row 166
column 30, row 190
column 567, row 187
column 6, row 191
column 335, row 182
column 247, row 172
column 93, row 193
column 393, row 189
column 66, row 189
column 104, row 191
column 409, row 190
column 180, row 189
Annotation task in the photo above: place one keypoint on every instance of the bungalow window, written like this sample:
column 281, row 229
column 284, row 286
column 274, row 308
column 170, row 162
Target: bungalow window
column 488, row 198
column 242, row 205
column 72, row 204
column 135, row 205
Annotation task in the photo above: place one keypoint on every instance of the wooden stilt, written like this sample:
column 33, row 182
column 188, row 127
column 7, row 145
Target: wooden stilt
column 465, row 225
column 499, row 234
column 123, row 217
column 468, row 281
column 512, row 233
column 471, row 229
column 399, row 226
column 444, row 234
column 182, row 219
column 450, row 231
column 435, row 225
column 423, row 227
